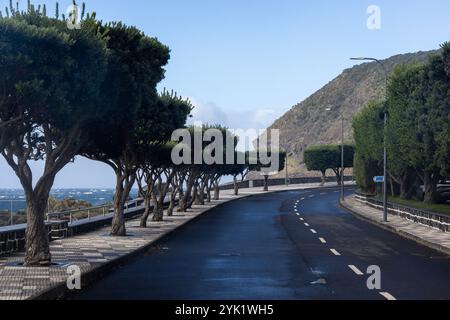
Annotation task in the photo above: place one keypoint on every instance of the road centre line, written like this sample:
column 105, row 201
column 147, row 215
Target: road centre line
column 335, row 252
column 355, row 270
column 388, row 296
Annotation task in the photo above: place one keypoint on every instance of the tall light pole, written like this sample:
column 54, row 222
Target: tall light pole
column 385, row 209
column 342, row 155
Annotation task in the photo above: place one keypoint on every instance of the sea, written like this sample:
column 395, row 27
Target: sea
column 15, row 198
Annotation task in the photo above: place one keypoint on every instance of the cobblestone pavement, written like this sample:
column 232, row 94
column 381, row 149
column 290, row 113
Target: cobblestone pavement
column 91, row 250
column 425, row 235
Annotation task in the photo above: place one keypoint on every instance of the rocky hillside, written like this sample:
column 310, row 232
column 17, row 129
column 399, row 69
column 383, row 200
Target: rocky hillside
column 308, row 123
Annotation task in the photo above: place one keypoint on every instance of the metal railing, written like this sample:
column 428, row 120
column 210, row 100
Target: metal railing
column 89, row 213
column 431, row 219
column 8, row 211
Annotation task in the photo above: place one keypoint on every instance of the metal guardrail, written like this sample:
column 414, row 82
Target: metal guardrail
column 90, row 212
column 8, row 211
column 428, row 218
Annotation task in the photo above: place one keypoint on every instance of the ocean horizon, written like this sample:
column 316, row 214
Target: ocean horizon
column 15, row 197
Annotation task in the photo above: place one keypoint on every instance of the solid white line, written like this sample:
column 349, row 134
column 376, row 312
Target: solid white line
column 335, row 252
column 388, row 296
column 356, row 270
column 306, row 225
column 313, row 231
column 323, row 240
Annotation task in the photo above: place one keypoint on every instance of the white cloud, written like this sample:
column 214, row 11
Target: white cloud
column 211, row 113
column 207, row 113
column 249, row 123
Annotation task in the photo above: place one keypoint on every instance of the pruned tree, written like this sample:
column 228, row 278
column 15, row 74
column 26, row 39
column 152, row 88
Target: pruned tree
column 267, row 163
column 322, row 158
column 51, row 79
column 135, row 67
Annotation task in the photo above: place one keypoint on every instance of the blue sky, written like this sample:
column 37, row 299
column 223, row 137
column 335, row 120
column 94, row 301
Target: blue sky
column 244, row 63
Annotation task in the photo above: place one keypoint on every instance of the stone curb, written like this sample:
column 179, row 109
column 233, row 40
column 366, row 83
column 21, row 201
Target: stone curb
column 404, row 234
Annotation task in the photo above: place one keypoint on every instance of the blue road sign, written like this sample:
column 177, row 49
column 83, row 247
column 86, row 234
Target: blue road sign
column 378, row 179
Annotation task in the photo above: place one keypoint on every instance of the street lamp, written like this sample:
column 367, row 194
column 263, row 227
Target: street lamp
column 342, row 154
column 385, row 211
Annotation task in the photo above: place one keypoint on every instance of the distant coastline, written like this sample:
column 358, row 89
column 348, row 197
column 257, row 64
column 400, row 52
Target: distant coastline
column 95, row 196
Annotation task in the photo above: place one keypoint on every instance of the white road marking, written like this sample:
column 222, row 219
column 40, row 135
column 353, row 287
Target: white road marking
column 311, row 196
column 323, row 193
column 323, row 240
column 356, row 270
column 313, row 231
column 297, row 213
column 301, row 219
column 306, row 225
column 336, row 191
column 303, row 198
column 335, row 252
column 388, row 296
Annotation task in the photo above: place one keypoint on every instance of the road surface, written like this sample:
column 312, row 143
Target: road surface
column 290, row 245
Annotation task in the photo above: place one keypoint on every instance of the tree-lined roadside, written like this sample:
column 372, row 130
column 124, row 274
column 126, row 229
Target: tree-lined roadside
column 92, row 91
column 417, row 133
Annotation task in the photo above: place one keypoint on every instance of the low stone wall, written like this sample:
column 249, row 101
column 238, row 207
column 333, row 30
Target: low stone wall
column 279, row 182
column 432, row 219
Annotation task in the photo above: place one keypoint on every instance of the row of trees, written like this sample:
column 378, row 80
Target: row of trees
column 92, row 92
column 88, row 91
column 329, row 157
column 417, row 134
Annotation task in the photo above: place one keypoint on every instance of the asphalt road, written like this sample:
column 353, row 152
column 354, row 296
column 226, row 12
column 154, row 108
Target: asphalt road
column 263, row 248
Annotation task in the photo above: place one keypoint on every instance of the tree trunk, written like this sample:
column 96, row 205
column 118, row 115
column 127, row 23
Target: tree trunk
column 208, row 193
column 216, row 191
column 185, row 199
column 266, row 183
column 37, row 239
column 199, row 198
column 172, row 203
column 430, row 187
column 338, row 176
column 124, row 183
column 392, row 187
column 147, row 211
column 194, row 197
column 236, row 187
column 158, row 211
column 324, row 178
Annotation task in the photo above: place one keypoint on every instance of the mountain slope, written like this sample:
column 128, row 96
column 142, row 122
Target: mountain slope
column 308, row 123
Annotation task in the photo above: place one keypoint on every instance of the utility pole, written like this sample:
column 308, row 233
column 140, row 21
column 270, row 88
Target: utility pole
column 342, row 176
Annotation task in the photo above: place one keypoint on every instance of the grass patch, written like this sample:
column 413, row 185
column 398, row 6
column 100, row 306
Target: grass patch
column 440, row 208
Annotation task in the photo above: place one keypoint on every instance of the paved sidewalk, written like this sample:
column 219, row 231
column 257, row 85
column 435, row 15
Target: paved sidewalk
column 425, row 235
column 96, row 251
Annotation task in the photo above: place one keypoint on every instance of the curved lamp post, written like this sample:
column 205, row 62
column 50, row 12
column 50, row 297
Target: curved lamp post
column 385, row 211
column 342, row 153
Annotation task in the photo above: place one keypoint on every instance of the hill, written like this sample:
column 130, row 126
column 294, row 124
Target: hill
column 308, row 122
